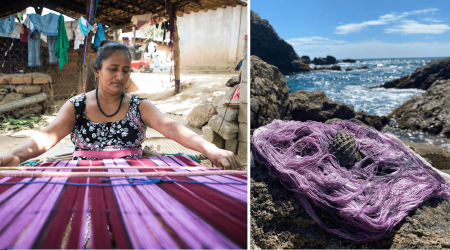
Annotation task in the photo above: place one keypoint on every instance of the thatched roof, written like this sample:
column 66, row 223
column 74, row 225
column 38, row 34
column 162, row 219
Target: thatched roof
column 118, row 13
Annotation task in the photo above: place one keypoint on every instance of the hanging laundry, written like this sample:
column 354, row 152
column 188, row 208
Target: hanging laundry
column 51, row 43
column 47, row 24
column 142, row 21
column 84, row 26
column 62, row 43
column 79, row 38
column 7, row 25
column 20, row 17
column 24, row 34
column 28, row 23
column 99, row 36
column 34, row 48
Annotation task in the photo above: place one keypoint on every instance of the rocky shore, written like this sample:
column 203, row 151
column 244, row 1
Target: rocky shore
column 267, row 45
column 423, row 77
column 277, row 218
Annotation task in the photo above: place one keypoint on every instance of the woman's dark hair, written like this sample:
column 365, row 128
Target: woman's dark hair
column 106, row 48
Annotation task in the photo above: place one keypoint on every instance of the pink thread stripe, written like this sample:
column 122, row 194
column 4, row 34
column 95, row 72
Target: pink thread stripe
column 193, row 230
column 143, row 226
column 236, row 191
column 30, row 200
column 50, row 194
column 107, row 154
column 86, row 206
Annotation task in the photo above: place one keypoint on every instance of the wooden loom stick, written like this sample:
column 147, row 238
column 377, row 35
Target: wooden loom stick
column 104, row 167
column 24, row 174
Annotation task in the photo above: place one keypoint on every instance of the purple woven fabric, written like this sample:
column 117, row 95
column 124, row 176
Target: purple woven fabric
column 367, row 198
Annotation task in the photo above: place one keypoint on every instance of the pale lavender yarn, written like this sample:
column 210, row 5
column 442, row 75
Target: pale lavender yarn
column 367, row 202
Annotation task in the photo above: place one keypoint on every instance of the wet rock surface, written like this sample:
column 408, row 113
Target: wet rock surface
column 377, row 122
column 438, row 156
column 429, row 112
column 315, row 106
column 278, row 220
column 349, row 61
column 324, row 61
column 267, row 45
column 423, row 77
column 337, row 68
column 268, row 93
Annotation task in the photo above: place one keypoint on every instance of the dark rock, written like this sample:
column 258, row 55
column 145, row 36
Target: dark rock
column 324, row 61
column 363, row 67
column 331, row 121
column 348, row 69
column 232, row 82
column 423, row 77
column 279, row 221
column 315, row 106
column 439, row 156
column 306, row 59
column 348, row 61
column 267, row 45
column 374, row 121
column 429, row 112
column 337, row 68
column 268, row 93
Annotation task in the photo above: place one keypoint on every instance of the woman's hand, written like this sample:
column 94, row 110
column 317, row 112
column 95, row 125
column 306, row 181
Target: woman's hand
column 224, row 159
column 9, row 160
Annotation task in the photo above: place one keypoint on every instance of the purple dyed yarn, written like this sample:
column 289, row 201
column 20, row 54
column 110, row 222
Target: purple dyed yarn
column 366, row 201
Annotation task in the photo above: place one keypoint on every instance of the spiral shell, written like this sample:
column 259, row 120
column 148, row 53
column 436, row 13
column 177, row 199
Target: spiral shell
column 343, row 146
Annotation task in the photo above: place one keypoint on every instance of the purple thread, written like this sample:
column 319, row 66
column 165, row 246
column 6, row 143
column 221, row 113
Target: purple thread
column 85, row 46
column 366, row 202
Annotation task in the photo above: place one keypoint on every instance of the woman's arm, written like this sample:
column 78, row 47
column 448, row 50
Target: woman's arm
column 45, row 139
column 171, row 129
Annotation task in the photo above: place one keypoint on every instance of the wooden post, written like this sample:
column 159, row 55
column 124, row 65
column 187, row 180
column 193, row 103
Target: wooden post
column 120, row 35
column 88, row 46
column 116, row 35
column 176, row 49
column 133, row 43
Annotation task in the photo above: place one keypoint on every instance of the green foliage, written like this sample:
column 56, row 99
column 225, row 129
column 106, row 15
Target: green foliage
column 25, row 122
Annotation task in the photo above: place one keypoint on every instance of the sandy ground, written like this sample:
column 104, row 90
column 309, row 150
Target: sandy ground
column 157, row 88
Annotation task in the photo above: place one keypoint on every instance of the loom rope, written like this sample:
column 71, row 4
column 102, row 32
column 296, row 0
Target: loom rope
column 24, row 174
column 133, row 182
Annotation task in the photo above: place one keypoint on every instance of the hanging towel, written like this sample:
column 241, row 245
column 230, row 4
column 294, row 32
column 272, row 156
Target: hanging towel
column 51, row 43
column 34, row 48
column 28, row 23
column 62, row 43
column 79, row 38
column 47, row 24
column 24, row 34
column 7, row 25
column 99, row 36
column 84, row 26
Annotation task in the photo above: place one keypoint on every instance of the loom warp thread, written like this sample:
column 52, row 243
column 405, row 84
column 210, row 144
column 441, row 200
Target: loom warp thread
column 367, row 198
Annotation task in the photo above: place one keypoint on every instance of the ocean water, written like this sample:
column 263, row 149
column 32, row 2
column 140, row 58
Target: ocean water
column 352, row 87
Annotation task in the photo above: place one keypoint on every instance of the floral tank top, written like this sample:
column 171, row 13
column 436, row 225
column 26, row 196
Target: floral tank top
column 128, row 133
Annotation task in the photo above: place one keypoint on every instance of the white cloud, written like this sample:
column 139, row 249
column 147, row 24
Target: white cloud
column 375, row 49
column 431, row 20
column 382, row 20
column 313, row 40
column 413, row 27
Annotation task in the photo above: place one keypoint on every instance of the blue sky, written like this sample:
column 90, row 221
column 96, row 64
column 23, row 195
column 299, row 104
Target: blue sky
column 361, row 29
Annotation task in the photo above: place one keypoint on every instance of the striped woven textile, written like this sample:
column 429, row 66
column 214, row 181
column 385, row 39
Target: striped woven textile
column 163, row 215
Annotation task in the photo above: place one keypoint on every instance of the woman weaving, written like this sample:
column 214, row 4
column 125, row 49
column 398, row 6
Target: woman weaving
column 107, row 123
